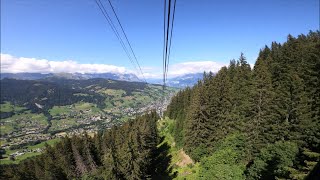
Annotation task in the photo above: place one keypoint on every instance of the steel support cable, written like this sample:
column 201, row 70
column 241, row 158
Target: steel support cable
column 125, row 35
column 163, row 54
column 174, row 9
column 167, row 36
column 164, row 41
column 107, row 17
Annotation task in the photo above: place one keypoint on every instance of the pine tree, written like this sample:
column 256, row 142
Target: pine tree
column 241, row 93
column 220, row 105
column 198, row 125
column 262, row 103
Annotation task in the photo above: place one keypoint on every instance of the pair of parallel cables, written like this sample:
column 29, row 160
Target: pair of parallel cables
column 167, row 37
column 167, row 27
column 133, row 59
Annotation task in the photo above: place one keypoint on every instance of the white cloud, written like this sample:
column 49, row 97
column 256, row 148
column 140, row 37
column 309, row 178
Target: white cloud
column 180, row 69
column 194, row 67
column 11, row 64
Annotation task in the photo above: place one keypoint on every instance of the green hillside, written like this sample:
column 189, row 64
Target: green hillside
column 53, row 108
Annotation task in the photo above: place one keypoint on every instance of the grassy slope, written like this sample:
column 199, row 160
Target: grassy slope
column 186, row 169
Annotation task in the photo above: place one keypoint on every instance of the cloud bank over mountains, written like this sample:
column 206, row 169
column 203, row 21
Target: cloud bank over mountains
column 12, row 64
column 194, row 67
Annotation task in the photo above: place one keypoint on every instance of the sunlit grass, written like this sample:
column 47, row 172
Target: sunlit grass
column 189, row 172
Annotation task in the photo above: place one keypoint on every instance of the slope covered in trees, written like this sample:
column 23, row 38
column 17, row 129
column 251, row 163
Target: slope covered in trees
column 129, row 151
column 260, row 123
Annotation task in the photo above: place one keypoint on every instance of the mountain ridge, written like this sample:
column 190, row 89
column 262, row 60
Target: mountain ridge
column 77, row 76
column 182, row 81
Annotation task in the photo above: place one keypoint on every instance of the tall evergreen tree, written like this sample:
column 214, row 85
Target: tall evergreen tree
column 262, row 97
column 198, row 126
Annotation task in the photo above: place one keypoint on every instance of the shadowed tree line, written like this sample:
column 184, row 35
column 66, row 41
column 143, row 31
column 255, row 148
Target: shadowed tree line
column 129, row 151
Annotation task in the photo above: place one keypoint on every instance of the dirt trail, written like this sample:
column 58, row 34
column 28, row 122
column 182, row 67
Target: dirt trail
column 184, row 159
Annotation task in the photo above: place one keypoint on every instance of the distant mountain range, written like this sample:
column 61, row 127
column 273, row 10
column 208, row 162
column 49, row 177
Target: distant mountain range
column 187, row 80
column 77, row 76
column 183, row 81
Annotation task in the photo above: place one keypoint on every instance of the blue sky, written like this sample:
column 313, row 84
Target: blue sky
column 212, row 31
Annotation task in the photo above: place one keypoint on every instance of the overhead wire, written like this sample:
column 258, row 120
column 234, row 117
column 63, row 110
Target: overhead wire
column 167, row 42
column 164, row 41
column 167, row 37
column 163, row 55
column 106, row 15
column 127, row 40
column 172, row 22
column 114, row 29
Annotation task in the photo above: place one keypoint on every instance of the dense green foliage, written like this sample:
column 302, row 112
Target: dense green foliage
column 129, row 151
column 227, row 161
column 274, row 160
column 275, row 106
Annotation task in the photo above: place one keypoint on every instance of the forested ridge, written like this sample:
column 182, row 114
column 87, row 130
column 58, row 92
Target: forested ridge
column 131, row 151
column 260, row 123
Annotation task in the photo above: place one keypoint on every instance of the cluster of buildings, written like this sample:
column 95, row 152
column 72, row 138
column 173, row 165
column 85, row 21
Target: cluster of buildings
column 86, row 121
column 23, row 151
